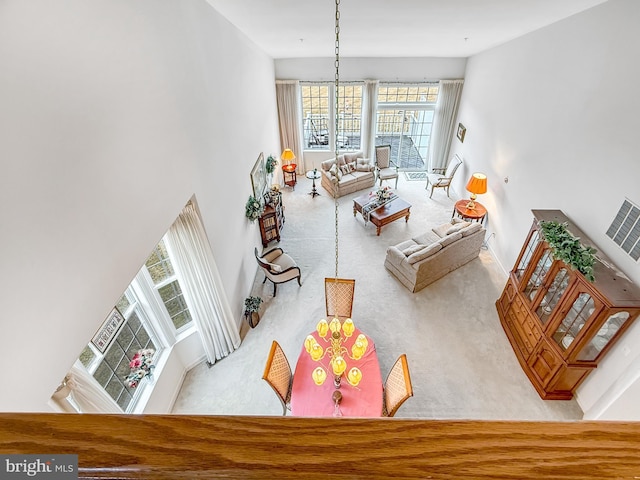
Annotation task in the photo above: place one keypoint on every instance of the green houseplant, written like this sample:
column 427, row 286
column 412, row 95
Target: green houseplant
column 251, row 307
column 253, row 209
column 270, row 164
column 568, row 248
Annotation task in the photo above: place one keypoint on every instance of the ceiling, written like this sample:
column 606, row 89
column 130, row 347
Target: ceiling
column 398, row 28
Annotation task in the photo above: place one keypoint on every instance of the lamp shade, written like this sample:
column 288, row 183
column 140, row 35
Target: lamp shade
column 477, row 183
column 288, row 155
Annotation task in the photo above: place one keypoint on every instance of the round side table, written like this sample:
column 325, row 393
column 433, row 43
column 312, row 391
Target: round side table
column 313, row 175
column 477, row 214
column 289, row 175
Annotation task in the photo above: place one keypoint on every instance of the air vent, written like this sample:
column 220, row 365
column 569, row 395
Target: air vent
column 625, row 229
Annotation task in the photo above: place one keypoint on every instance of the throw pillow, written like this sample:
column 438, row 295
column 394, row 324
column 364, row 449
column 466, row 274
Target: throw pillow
column 333, row 170
column 457, row 227
column 344, row 169
column 413, row 249
column 275, row 268
column 449, row 239
column 351, row 166
column 363, row 165
column 442, row 230
column 474, row 227
column 424, row 253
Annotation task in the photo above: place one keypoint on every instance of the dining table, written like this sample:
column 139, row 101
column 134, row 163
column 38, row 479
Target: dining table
column 363, row 400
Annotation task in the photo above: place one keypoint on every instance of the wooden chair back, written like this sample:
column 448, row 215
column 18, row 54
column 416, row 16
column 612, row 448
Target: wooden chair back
column 338, row 295
column 397, row 387
column 277, row 373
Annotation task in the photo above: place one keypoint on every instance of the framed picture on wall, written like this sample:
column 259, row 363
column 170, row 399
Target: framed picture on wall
column 109, row 329
column 258, row 177
column 461, row 132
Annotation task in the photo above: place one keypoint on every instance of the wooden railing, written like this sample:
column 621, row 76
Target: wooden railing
column 196, row 447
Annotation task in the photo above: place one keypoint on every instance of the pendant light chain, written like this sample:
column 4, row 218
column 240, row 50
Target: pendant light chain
column 337, row 125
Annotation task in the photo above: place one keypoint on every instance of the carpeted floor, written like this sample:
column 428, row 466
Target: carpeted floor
column 462, row 366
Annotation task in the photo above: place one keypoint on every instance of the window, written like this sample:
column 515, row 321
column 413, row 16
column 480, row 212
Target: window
column 625, row 229
column 153, row 302
column 318, row 115
column 167, row 285
column 111, row 368
column 404, row 121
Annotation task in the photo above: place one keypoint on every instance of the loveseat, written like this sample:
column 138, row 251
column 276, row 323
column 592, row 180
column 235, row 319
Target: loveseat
column 428, row 257
column 353, row 173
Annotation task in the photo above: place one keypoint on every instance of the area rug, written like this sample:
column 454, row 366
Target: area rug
column 415, row 176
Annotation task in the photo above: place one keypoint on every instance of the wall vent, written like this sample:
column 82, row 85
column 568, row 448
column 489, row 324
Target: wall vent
column 625, row 229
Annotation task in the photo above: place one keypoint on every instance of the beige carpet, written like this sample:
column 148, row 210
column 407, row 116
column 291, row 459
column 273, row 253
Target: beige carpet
column 461, row 364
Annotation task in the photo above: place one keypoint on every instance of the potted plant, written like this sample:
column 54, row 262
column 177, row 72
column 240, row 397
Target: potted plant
column 270, row 164
column 568, row 248
column 251, row 307
column 254, row 208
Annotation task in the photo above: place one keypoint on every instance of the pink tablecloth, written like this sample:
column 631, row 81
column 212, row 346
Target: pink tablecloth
column 311, row 400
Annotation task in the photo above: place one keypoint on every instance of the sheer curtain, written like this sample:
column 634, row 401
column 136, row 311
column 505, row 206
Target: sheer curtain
column 81, row 393
column 202, row 285
column 449, row 92
column 369, row 109
column 289, row 113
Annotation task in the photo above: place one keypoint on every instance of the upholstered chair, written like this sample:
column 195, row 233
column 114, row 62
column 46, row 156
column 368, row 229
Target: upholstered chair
column 442, row 178
column 278, row 267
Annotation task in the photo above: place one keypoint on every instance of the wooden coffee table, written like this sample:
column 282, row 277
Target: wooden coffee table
column 381, row 216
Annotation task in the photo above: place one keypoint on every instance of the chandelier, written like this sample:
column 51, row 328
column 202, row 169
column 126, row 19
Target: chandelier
column 335, row 350
column 334, row 334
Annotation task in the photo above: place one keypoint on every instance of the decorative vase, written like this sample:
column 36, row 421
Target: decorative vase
column 252, row 318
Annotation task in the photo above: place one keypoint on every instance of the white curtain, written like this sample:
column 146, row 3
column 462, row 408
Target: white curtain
column 289, row 119
column 449, row 92
column 81, row 393
column 369, row 113
column 202, row 285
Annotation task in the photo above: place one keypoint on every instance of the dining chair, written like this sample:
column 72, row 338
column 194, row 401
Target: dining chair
column 338, row 295
column 397, row 387
column 441, row 177
column 277, row 374
column 385, row 168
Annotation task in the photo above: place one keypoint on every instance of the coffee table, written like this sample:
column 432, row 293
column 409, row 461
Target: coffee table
column 384, row 215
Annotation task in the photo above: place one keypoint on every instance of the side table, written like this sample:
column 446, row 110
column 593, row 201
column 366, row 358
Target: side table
column 477, row 214
column 289, row 175
column 313, row 175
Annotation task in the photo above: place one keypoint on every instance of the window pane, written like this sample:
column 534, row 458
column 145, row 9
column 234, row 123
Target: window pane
column 350, row 115
column 173, row 299
column 159, row 264
column 315, row 114
column 87, row 356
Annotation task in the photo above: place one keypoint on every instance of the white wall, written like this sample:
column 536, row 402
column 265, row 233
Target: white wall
column 114, row 113
column 556, row 111
column 384, row 69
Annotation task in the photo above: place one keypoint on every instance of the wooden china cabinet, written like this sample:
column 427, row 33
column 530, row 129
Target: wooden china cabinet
column 272, row 219
column 560, row 324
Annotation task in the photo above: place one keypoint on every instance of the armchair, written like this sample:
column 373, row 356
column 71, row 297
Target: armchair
column 277, row 267
column 385, row 168
column 441, row 178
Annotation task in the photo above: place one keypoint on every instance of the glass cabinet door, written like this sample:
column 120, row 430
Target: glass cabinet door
column 537, row 276
column 552, row 294
column 582, row 308
column 609, row 328
column 534, row 239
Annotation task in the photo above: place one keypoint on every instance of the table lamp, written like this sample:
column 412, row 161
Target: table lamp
column 288, row 156
column 477, row 185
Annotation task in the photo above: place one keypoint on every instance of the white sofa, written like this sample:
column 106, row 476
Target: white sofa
column 353, row 173
column 422, row 260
